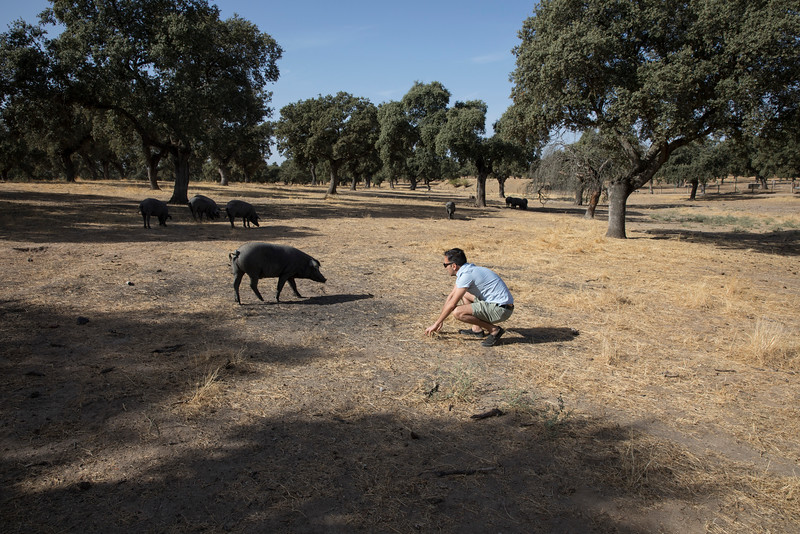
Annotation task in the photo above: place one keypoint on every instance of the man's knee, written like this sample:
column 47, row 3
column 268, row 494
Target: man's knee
column 461, row 312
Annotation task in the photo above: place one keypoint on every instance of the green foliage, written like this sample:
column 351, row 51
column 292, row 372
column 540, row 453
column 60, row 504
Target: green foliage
column 462, row 136
column 335, row 129
column 663, row 71
column 174, row 73
column 292, row 173
column 459, row 181
column 701, row 161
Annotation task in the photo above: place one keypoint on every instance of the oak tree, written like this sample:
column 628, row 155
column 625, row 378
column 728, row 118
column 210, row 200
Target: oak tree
column 667, row 72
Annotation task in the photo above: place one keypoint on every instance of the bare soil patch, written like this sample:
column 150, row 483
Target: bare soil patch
column 644, row 385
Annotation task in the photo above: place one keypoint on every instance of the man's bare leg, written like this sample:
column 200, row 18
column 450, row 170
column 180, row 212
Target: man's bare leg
column 464, row 314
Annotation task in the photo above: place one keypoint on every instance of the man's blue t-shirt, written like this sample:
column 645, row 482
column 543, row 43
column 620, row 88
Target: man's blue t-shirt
column 484, row 284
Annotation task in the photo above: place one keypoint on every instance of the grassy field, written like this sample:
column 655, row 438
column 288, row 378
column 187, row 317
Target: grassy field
column 644, row 385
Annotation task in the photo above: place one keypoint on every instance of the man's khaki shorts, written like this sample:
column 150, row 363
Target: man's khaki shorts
column 491, row 313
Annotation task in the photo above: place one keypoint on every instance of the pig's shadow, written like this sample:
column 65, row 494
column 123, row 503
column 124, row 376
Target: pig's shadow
column 324, row 300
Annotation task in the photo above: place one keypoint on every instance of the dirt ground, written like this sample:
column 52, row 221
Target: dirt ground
column 643, row 385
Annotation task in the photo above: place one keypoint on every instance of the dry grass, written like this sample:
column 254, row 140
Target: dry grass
column 648, row 384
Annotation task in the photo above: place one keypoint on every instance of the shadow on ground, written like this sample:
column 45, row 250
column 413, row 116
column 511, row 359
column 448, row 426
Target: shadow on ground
column 99, row 218
column 784, row 243
column 95, row 441
column 542, row 335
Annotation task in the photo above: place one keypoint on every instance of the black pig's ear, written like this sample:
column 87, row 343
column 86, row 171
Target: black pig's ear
column 315, row 263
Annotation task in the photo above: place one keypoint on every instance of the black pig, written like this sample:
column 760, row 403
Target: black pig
column 152, row 206
column 451, row 209
column 263, row 260
column 245, row 210
column 201, row 205
column 512, row 202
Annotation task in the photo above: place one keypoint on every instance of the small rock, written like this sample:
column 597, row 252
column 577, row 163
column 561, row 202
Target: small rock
column 83, row 320
column 128, row 283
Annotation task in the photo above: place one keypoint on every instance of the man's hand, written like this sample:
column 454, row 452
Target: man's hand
column 433, row 328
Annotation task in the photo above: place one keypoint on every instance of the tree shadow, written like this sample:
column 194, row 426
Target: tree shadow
column 85, row 218
column 782, row 243
column 96, row 441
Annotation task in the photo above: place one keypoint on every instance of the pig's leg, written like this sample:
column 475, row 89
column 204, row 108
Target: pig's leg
column 254, row 287
column 236, row 282
column 294, row 287
column 281, row 280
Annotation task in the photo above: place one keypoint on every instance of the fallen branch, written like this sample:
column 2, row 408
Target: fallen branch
column 495, row 412
column 171, row 348
column 453, row 472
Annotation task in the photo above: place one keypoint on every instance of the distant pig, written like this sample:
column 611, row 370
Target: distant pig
column 263, row 260
column 240, row 208
column 152, row 206
column 512, row 202
column 451, row 209
column 201, row 205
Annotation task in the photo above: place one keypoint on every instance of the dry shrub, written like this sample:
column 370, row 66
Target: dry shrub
column 210, row 366
column 610, row 351
column 206, row 390
column 770, row 344
column 698, row 296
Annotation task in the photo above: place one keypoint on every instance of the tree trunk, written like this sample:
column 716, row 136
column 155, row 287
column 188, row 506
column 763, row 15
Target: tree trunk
column 180, row 193
column 152, row 168
column 313, row 169
column 334, row 180
column 69, row 165
column 224, row 173
column 579, row 188
column 413, row 180
column 106, row 170
column 618, row 193
column 693, row 190
column 355, row 181
column 501, row 182
column 594, row 198
column 480, row 190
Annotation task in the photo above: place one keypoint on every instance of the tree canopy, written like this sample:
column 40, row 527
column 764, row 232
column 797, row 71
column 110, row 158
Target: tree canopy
column 337, row 129
column 177, row 73
column 666, row 72
column 463, row 136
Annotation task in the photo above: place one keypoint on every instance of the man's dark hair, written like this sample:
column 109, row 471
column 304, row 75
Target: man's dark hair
column 456, row 255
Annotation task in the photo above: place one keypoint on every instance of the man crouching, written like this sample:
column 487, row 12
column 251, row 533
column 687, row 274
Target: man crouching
column 488, row 300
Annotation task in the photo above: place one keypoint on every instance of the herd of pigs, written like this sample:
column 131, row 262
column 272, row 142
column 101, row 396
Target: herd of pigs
column 256, row 260
column 199, row 205
column 261, row 260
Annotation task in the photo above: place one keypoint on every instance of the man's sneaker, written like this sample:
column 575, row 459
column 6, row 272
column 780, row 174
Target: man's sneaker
column 471, row 332
column 492, row 339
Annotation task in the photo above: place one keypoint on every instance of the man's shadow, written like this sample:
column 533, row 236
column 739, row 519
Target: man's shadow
column 541, row 335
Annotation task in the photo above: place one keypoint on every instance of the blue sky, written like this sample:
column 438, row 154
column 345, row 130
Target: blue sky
column 375, row 49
